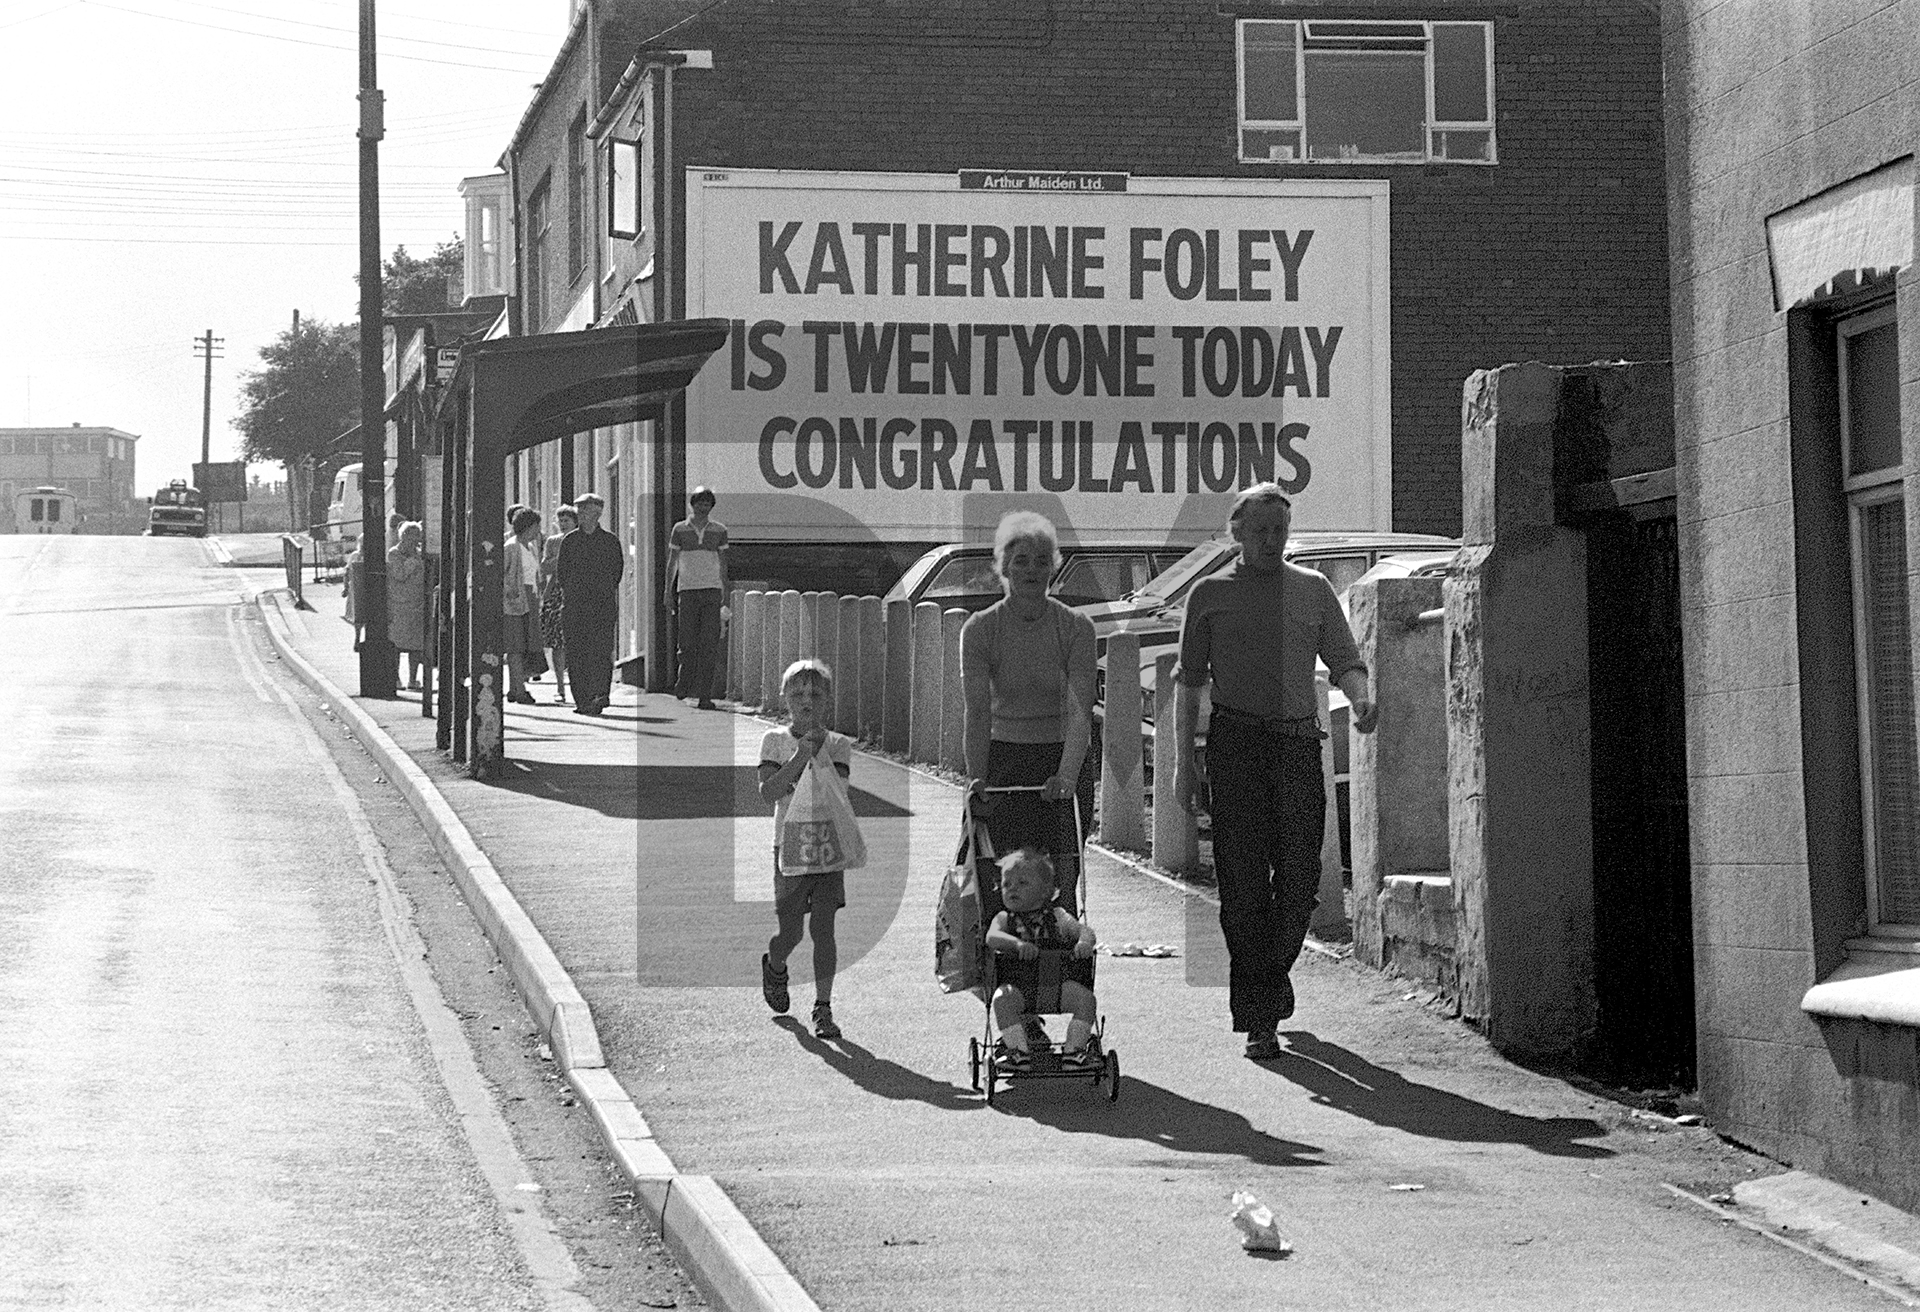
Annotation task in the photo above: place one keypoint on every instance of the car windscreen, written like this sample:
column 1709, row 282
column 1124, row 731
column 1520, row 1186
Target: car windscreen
column 1172, row 584
column 963, row 576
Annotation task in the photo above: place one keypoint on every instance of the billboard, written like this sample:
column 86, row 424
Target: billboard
column 914, row 354
column 221, row 481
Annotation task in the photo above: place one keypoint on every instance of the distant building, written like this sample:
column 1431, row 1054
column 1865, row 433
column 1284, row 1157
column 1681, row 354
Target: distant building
column 95, row 464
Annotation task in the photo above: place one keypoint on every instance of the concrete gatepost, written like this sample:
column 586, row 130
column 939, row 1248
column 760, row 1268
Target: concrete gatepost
column 791, row 607
column 925, row 698
column 846, row 666
column 735, row 675
column 1176, row 835
column 1519, row 753
column 751, row 619
column 873, row 667
column 1123, row 815
column 1330, row 910
column 953, row 699
column 1397, row 785
column 809, row 625
column 896, row 714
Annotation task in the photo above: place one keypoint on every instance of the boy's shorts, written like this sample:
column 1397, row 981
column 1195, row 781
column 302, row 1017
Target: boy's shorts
column 795, row 895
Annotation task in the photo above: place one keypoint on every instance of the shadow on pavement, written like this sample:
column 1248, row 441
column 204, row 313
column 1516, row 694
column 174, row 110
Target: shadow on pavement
column 1153, row 1115
column 664, row 792
column 1337, row 1078
column 877, row 1075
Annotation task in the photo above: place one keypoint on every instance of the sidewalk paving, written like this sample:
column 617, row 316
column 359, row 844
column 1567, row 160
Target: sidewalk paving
column 638, row 847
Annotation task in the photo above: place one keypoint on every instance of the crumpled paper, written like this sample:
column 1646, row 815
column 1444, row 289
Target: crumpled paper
column 1131, row 949
column 1259, row 1231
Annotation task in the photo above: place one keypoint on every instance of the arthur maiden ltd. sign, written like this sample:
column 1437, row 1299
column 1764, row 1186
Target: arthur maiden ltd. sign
column 913, row 354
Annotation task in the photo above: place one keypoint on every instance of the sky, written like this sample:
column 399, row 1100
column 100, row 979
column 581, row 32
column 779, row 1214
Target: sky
column 173, row 166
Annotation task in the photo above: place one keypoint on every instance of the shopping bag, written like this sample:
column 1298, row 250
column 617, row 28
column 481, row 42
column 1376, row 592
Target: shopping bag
column 958, row 921
column 819, row 834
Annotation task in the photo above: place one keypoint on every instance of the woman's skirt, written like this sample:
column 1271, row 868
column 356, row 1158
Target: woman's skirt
column 550, row 607
column 1030, row 820
column 521, row 633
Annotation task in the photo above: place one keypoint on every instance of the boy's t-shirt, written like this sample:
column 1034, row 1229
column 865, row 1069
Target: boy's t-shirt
column 779, row 747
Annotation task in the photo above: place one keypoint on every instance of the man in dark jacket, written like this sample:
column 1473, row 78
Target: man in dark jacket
column 590, row 567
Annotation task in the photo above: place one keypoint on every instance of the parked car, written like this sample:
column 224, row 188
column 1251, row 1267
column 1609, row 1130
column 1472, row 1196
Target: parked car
column 1410, row 565
column 962, row 575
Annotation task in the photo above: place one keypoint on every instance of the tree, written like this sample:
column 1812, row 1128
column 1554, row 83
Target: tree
column 411, row 286
column 303, row 398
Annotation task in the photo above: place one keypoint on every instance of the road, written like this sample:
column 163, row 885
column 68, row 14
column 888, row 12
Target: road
column 230, row 1078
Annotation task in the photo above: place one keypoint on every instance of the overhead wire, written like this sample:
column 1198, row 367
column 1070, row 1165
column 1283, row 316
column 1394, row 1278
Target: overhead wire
column 301, row 41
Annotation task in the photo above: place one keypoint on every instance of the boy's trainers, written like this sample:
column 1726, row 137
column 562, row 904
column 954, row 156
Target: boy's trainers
column 823, row 1026
column 773, row 987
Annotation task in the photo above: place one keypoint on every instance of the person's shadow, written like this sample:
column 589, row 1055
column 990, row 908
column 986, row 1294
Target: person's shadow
column 1339, row 1079
column 1145, row 1112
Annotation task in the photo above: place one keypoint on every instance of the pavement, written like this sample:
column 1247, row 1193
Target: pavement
column 621, row 865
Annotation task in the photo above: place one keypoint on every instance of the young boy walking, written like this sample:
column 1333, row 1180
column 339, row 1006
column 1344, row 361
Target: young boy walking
column 807, row 689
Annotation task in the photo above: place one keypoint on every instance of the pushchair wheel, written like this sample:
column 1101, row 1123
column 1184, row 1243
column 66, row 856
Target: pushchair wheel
column 993, row 1076
column 973, row 1062
column 1112, row 1077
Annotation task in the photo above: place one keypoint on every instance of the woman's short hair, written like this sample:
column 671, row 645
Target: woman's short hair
column 1018, row 526
column 413, row 526
column 567, row 512
column 1260, row 494
column 813, row 671
column 524, row 519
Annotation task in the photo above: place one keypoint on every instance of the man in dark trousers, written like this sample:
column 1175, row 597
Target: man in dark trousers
column 590, row 567
column 1252, row 632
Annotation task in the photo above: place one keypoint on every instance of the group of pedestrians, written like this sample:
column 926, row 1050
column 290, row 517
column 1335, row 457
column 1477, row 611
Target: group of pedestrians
column 1251, row 637
column 561, row 594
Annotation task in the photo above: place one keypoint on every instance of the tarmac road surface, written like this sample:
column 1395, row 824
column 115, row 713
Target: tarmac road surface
column 222, row 1085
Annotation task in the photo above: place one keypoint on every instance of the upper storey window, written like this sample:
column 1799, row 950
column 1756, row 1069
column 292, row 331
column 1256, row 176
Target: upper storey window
column 1325, row 91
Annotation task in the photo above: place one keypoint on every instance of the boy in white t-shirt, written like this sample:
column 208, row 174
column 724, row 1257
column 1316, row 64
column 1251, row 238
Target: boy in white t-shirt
column 807, row 689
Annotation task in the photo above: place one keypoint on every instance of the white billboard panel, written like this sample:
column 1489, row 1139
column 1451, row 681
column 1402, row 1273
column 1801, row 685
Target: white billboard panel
column 914, row 354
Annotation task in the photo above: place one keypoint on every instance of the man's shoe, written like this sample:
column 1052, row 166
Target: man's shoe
column 773, row 987
column 705, row 705
column 1263, row 1045
column 585, row 708
column 823, row 1026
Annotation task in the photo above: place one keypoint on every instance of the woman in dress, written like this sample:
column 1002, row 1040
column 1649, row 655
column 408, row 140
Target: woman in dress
column 553, row 598
column 520, row 602
column 1027, row 670
column 407, row 597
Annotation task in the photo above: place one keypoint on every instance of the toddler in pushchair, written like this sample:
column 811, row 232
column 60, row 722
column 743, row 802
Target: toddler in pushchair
column 1043, row 963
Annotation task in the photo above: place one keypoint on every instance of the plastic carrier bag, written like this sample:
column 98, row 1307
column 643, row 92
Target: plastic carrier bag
column 819, row 834
column 958, row 918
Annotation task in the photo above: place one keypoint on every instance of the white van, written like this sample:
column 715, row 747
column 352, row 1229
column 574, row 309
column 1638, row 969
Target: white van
column 344, row 506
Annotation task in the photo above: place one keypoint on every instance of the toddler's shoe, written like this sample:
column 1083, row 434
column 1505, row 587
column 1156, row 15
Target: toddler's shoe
column 773, row 986
column 823, row 1026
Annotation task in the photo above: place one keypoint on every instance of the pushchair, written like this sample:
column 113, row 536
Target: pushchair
column 1098, row 1063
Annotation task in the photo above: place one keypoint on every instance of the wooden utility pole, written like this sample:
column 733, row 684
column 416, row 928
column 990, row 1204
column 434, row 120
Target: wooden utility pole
column 207, row 348
column 379, row 662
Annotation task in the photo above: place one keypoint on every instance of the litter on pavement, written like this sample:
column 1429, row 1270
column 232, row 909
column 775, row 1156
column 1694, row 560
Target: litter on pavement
column 1259, row 1231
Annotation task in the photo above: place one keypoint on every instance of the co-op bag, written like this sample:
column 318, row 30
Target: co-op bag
column 959, row 918
column 819, row 834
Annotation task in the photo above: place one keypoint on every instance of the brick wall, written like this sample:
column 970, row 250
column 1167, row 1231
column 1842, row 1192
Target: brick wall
column 1558, row 253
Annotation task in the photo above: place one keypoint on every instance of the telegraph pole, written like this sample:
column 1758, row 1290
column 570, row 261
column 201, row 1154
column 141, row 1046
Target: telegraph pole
column 207, row 348
column 379, row 662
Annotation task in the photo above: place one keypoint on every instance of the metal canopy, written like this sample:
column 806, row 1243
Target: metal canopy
column 507, row 395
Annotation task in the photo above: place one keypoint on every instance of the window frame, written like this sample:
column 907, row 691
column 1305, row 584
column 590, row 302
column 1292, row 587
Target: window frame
column 539, row 228
column 1876, row 487
column 614, row 145
column 1299, row 123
